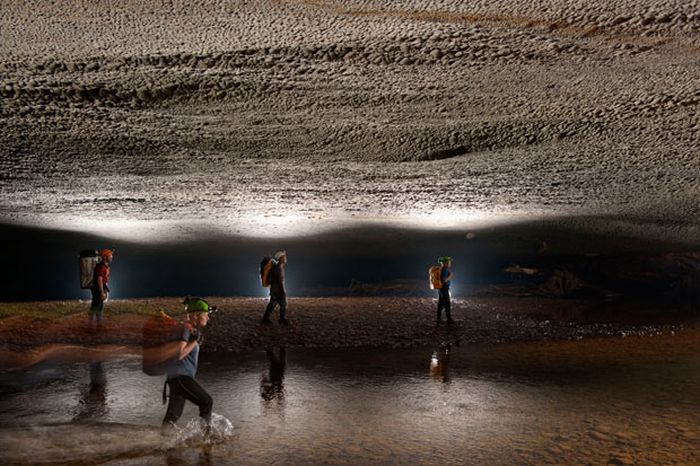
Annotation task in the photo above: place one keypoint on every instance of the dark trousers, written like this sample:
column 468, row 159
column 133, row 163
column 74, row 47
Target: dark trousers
column 186, row 388
column 275, row 300
column 444, row 302
column 96, row 310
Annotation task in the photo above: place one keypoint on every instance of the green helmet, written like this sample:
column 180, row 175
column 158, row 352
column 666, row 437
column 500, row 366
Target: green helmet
column 445, row 259
column 197, row 305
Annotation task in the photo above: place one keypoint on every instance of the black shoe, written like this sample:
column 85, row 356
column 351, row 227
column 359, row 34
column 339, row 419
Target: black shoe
column 283, row 322
column 265, row 321
column 450, row 322
column 438, row 322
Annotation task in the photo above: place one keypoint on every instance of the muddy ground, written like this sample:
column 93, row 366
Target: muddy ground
column 346, row 322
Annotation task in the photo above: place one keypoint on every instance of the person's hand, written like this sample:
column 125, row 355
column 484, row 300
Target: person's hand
column 197, row 337
column 103, row 296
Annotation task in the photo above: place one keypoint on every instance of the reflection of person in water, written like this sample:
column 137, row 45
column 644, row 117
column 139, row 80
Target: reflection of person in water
column 439, row 362
column 271, row 387
column 93, row 401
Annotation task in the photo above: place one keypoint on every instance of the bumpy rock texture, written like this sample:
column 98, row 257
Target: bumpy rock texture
column 299, row 114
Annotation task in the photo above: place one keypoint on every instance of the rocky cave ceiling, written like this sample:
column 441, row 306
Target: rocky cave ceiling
column 271, row 118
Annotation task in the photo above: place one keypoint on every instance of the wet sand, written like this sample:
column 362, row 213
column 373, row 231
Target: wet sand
column 344, row 322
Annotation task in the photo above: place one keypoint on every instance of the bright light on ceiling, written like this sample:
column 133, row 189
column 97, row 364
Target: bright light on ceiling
column 283, row 222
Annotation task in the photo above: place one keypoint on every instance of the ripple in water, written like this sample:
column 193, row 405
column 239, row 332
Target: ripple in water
column 618, row 401
column 196, row 431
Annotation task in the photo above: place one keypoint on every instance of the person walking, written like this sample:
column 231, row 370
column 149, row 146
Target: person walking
column 180, row 374
column 444, row 290
column 100, row 289
column 278, row 293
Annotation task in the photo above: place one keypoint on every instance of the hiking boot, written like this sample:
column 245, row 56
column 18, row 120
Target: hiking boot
column 266, row 321
column 283, row 322
column 450, row 322
column 438, row 321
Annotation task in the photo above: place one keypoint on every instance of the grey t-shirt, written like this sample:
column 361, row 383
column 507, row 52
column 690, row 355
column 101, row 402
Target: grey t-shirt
column 188, row 364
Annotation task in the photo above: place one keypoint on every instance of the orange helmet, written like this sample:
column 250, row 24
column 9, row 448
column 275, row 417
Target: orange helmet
column 106, row 252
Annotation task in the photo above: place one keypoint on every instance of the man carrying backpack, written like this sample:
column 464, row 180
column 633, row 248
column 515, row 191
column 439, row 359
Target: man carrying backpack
column 278, row 294
column 100, row 289
column 181, row 373
column 444, row 290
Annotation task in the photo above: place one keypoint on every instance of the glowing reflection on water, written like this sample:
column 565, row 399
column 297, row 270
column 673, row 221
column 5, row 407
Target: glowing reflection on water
column 544, row 403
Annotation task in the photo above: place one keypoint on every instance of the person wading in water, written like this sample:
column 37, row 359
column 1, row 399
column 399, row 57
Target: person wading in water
column 180, row 374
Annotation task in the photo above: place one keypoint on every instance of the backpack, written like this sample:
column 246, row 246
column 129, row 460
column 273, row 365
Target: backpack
column 265, row 269
column 87, row 261
column 435, row 277
column 159, row 348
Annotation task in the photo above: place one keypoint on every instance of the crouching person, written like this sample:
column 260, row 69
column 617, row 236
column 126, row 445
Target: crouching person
column 180, row 374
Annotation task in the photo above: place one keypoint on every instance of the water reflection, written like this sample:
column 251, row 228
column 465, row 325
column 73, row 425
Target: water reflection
column 440, row 361
column 19, row 360
column 612, row 401
column 439, row 364
column 93, row 400
column 272, row 384
column 200, row 456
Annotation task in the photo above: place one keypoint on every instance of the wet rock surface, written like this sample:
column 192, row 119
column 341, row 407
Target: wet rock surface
column 352, row 111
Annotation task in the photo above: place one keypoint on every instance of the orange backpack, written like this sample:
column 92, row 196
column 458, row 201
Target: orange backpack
column 435, row 277
column 265, row 268
column 158, row 345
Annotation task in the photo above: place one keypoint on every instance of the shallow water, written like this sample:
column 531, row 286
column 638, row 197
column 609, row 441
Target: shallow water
column 598, row 401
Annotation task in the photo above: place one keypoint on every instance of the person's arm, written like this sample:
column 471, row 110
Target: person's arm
column 186, row 348
column 188, row 341
column 445, row 278
column 101, row 287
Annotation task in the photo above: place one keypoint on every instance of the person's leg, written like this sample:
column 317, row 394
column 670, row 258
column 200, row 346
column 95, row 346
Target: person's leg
column 197, row 395
column 441, row 303
column 283, row 309
column 448, row 306
column 283, row 356
column 96, row 307
column 176, row 403
column 98, row 315
column 268, row 310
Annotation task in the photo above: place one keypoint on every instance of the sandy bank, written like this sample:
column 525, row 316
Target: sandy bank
column 344, row 322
